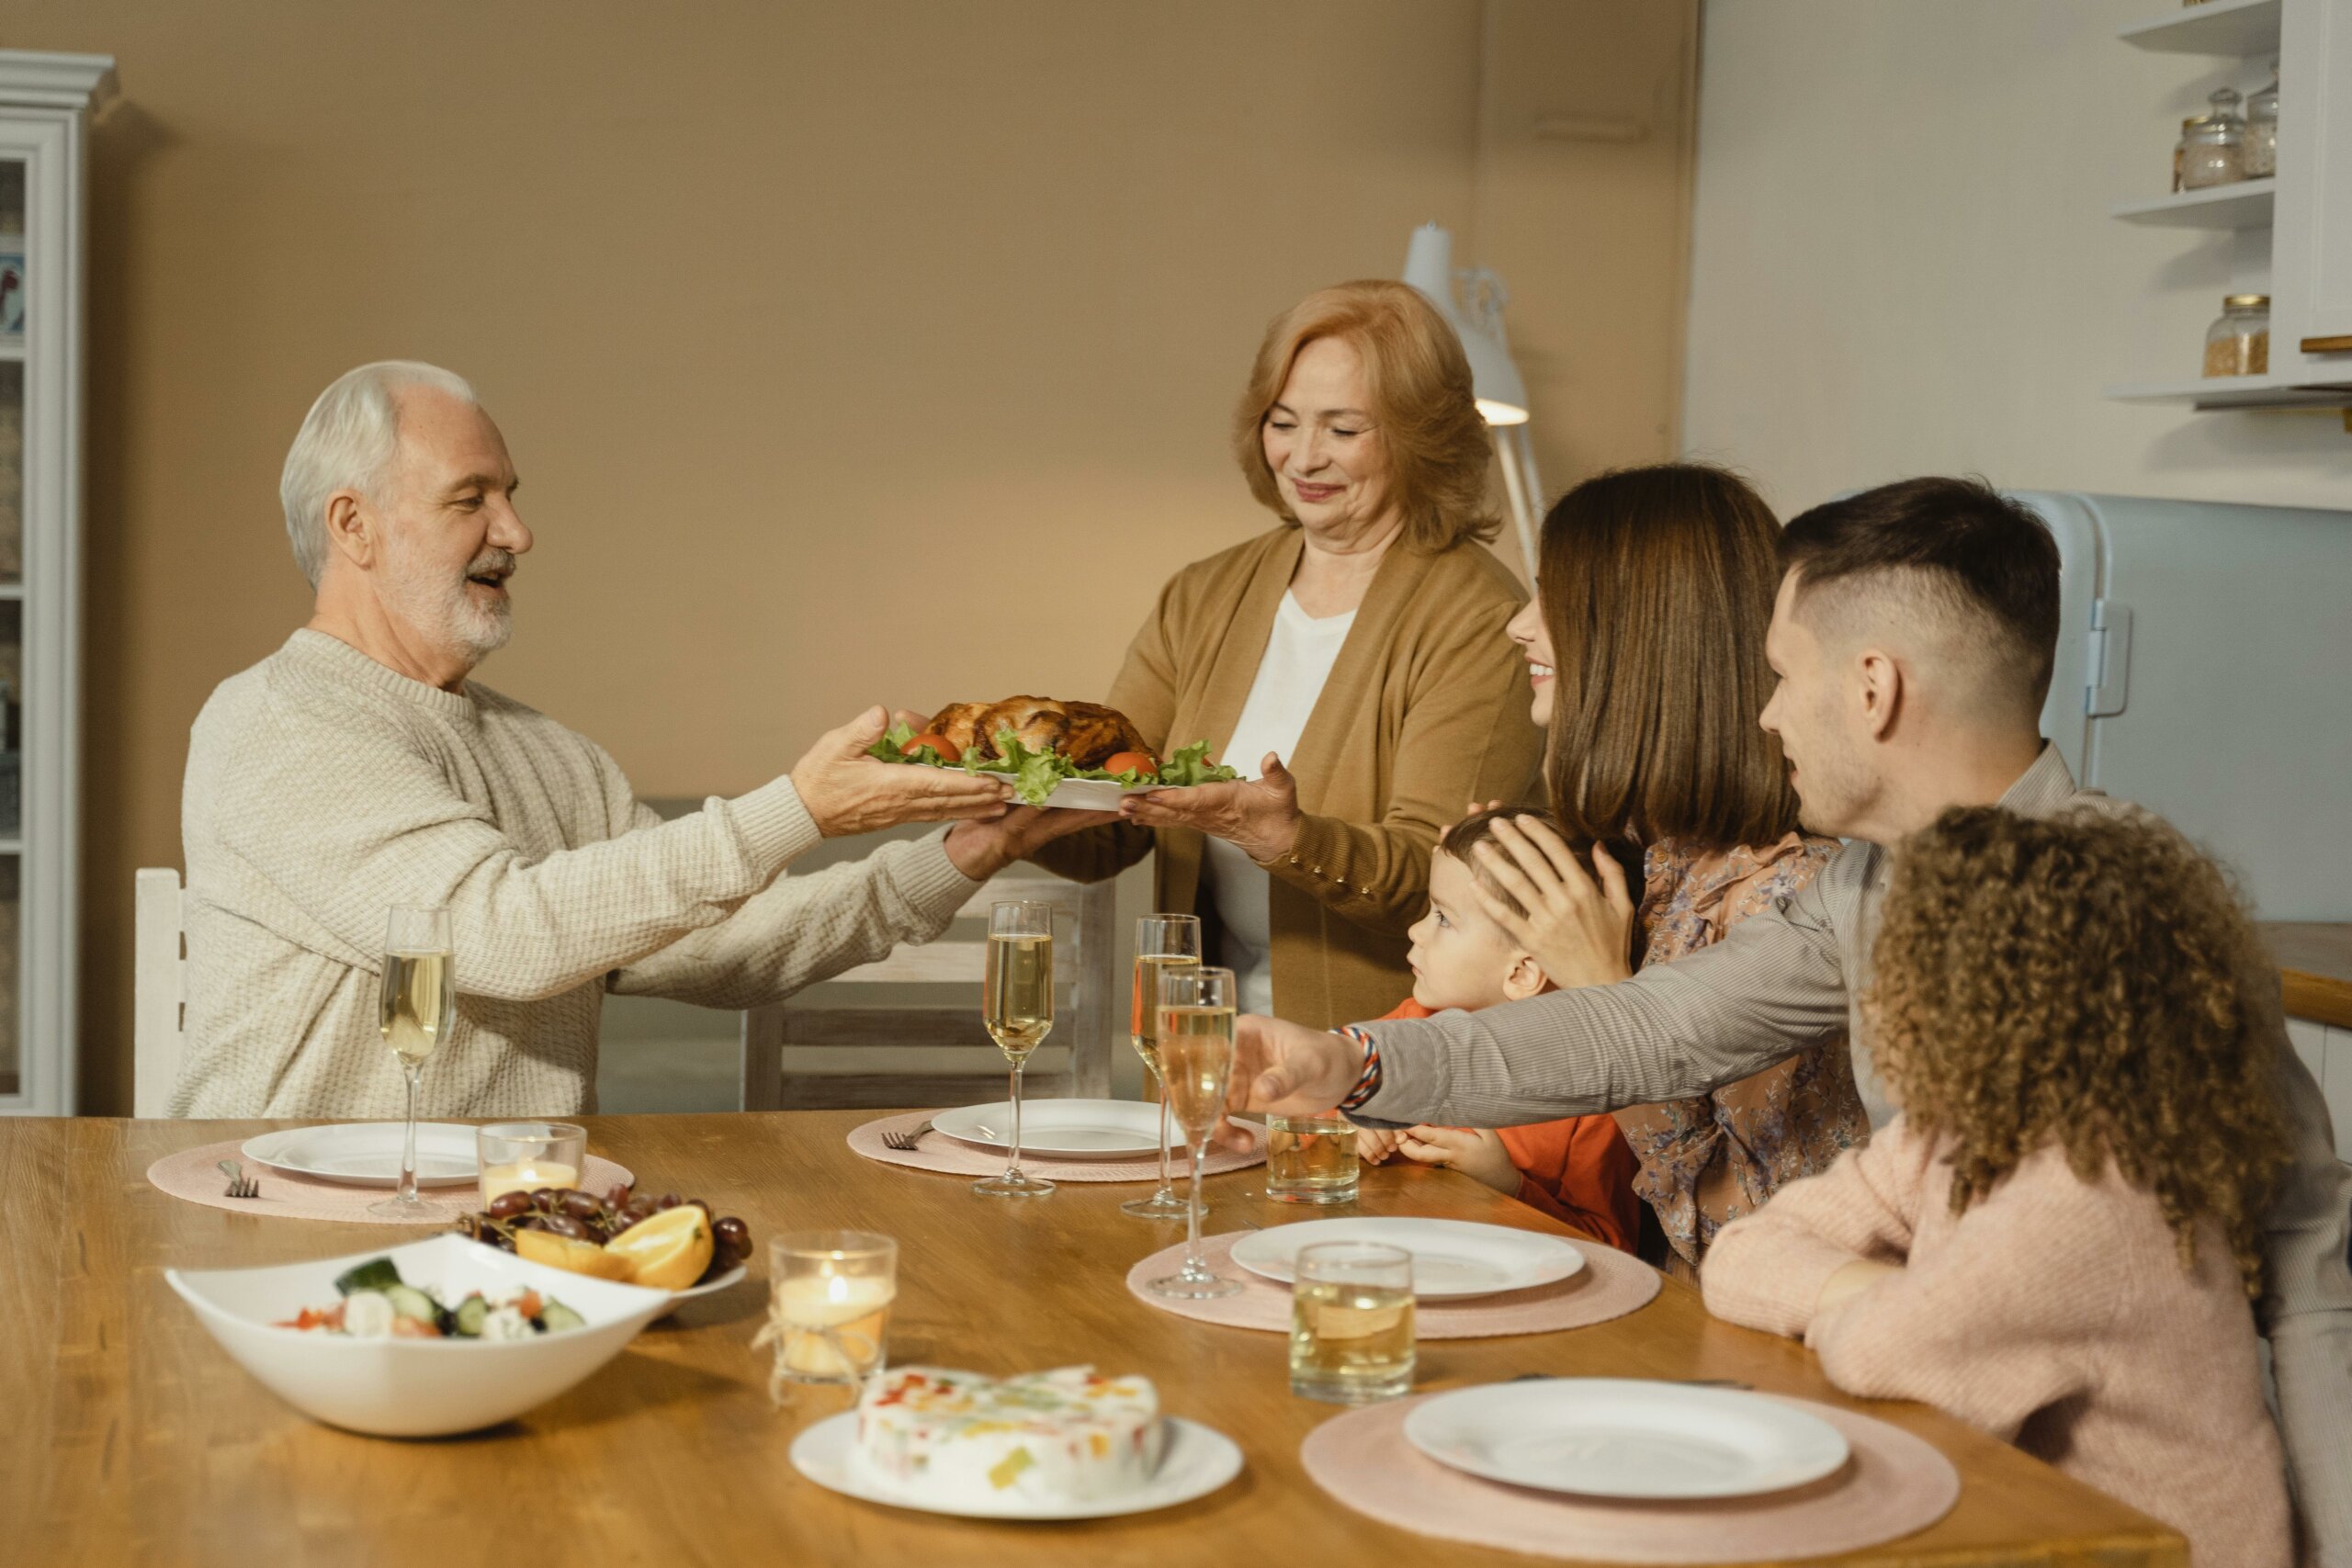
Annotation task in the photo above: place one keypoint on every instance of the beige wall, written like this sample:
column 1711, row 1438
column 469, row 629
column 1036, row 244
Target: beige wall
column 849, row 351
column 1902, row 261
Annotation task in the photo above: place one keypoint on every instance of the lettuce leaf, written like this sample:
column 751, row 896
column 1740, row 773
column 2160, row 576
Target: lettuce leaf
column 1191, row 765
column 889, row 748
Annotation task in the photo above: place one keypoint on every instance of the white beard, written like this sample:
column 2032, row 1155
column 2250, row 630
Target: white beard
column 444, row 610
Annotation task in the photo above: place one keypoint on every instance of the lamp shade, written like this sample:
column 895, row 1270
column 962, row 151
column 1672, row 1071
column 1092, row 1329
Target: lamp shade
column 1494, row 379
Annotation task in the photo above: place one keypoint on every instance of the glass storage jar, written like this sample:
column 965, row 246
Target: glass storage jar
column 2239, row 342
column 2260, row 156
column 2213, row 146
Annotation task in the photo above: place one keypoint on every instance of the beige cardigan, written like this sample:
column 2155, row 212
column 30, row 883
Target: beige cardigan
column 1425, row 710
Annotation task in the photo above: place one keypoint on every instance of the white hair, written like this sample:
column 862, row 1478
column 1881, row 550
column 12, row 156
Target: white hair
column 347, row 442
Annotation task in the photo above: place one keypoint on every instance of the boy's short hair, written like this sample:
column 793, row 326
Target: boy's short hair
column 1952, row 549
column 1462, row 841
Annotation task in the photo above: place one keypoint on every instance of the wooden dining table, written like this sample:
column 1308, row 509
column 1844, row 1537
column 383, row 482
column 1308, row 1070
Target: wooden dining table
column 132, row 1439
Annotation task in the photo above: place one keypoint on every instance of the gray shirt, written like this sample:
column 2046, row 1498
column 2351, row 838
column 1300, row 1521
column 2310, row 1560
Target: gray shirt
column 1783, row 980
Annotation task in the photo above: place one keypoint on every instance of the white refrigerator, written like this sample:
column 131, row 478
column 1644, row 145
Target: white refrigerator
column 2204, row 670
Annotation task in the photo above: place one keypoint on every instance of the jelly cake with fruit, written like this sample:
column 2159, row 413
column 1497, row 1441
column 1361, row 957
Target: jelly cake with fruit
column 1056, row 1439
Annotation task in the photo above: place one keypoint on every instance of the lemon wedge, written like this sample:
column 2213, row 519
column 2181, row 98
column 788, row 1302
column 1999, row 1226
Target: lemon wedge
column 667, row 1251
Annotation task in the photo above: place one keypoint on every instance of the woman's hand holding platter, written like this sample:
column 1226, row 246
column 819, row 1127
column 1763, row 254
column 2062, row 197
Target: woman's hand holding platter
column 1259, row 817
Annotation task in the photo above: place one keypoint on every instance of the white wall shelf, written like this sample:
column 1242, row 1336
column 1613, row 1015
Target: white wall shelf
column 2234, row 27
column 2235, row 392
column 2248, row 204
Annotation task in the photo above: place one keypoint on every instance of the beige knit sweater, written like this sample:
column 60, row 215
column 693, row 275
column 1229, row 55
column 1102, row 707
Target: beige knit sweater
column 2055, row 1313
column 323, row 787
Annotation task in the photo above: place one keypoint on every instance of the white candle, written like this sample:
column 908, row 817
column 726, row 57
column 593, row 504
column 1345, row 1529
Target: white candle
column 855, row 1307
column 526, row 1175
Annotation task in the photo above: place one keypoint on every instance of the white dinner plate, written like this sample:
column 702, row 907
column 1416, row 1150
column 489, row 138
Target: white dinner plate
column 1196, row 1461
column 367, row 1154
column 1092, row 1129
column 1627, row 1438
column 1451, row 1258
column 1095, row 794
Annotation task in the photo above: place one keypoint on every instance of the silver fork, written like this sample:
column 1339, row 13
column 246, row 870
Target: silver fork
column 905, row 1142
column 239, row 1184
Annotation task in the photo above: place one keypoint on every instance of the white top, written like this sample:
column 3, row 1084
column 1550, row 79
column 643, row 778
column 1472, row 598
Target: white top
column 1299, row 656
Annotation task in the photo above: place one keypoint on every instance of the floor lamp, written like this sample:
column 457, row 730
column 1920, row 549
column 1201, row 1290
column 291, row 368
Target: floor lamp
column 1477, row 317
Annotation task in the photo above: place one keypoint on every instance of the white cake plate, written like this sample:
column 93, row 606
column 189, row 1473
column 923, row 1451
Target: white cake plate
column 1196, row 1461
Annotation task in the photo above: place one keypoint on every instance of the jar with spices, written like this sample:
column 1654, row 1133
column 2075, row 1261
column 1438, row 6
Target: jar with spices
column 2239, row 344
column 2213, row 146
column 2260, row 157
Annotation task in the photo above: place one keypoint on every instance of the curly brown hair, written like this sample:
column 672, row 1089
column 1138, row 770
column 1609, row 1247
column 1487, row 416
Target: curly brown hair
column 2081, row 980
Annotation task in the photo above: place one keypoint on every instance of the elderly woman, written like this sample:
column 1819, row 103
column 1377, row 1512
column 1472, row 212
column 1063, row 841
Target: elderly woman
column 1352, row 658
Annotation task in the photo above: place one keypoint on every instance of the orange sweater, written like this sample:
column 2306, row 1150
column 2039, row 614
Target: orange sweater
column 1579, row 1170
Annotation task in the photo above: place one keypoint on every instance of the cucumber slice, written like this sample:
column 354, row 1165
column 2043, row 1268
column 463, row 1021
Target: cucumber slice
column 469, row 1315
column 554, row 1317
column 410, row 1302
column 373, row 1275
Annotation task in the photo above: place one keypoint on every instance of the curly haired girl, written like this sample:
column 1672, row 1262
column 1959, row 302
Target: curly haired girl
column 2057, row 1239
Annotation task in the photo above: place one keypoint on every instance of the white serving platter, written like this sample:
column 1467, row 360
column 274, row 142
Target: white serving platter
column 1627, row 1438
column 414, row 1388
column 1451, row 1258
column 1196, row 1461
column 1095, row 794
column 367, row 1154
column 1086, row 1129
column 712, row 1287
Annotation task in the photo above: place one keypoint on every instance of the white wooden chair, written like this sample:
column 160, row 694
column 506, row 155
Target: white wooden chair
column 159, row 988
column 814, row 1051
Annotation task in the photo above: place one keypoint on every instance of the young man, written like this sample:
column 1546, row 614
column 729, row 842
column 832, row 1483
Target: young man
column 1913, row 639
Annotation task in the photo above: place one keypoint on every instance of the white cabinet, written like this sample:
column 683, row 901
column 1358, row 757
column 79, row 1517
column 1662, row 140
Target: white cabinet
column 2290, row 235
column 44, row 102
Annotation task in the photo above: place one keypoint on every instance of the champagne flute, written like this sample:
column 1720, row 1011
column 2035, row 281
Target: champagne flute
column 1017, row 1005
column 1195, row 1062
column 420, row 1007
column 1162, row 943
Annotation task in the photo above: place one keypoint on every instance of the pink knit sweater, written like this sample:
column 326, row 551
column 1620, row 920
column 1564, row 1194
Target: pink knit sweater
column 2055, row 1313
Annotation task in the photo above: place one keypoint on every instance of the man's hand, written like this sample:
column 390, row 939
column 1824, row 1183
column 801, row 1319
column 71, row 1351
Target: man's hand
column 1578, row 925
column 1286, row 1068
column 848, row 792
column 1259, row 817
column 1474, row 1151
column 980, row 849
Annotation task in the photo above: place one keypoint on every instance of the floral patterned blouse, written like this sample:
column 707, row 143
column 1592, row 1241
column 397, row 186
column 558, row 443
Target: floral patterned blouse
column 1710, row 1158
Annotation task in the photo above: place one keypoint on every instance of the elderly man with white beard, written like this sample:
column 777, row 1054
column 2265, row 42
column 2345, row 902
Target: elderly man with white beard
column 358, row 767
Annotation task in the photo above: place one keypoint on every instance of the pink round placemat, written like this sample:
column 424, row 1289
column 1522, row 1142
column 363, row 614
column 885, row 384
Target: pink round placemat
column 1611, row 1284
column 1894, row 1484
column 937, row 1151
column 194, row 1174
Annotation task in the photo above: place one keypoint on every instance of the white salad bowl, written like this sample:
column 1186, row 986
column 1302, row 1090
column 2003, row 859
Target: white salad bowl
column 414, row 1388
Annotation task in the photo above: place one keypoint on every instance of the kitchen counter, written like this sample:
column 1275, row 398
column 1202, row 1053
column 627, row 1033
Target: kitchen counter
column 2315, row 963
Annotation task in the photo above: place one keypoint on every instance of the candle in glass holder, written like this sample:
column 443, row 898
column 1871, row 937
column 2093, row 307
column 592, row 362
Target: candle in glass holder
column 828, row 1308
column 527, row 1156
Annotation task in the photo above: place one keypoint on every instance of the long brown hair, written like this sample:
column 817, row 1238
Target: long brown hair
column 1656, row 587
column 2081, row 981
column 1417, row 380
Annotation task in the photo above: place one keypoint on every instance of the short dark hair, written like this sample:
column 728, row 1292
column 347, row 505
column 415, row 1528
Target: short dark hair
column 1462, row 841
column 1983, row 553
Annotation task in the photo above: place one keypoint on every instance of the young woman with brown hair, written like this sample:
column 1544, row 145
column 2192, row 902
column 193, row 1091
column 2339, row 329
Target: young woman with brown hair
column 1646, row 646
column 2057, row 1238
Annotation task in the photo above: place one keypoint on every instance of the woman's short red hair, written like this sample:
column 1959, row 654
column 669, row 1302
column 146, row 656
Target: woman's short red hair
column 1418, row 383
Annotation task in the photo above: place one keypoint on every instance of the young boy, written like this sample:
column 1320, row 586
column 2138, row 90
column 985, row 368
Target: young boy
column 1579, row 1170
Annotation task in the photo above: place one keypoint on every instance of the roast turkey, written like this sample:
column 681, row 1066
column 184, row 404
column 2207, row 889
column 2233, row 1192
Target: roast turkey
column 1088, row 734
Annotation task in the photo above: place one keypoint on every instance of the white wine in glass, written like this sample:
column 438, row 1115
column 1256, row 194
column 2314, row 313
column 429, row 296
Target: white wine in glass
column 419, row 1009
column 1197, row 1008
column 1162, row 943
column 1017, row 1006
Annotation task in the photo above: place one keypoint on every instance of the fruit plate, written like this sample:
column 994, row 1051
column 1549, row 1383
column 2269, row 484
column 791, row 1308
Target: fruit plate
column 1080, row 1129
column 414, row 1388
column 1196, row 1461
column 713, row 1286
column 367, row 1154
column 1626, row 1438
column 1451, row 1258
